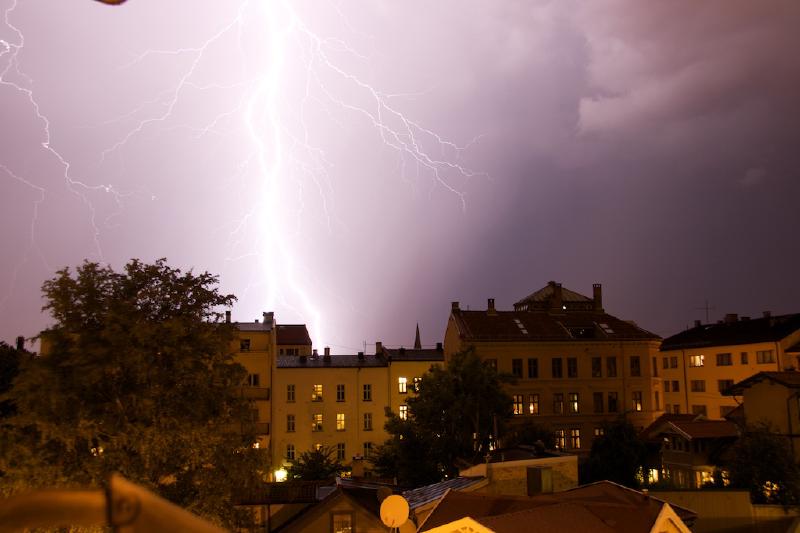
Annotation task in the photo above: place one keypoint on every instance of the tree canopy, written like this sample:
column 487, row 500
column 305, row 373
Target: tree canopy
column 315, row 465
column 457, row 412
column 761, row 462
column 136, row 377
column 617, row 455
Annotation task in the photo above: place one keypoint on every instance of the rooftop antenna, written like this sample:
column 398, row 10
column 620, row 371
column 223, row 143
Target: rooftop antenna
column 705, row 308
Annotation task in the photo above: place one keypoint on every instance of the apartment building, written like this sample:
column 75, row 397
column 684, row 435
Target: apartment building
column 699, row 364
column 575, row 365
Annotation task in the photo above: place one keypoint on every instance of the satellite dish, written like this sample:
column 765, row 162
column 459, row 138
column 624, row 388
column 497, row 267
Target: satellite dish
column 383, row 493
column 394, row 511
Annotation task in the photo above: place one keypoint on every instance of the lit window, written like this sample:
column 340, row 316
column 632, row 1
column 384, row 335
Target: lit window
column 599, row 431
column 403, row 412
column 316, row 393
column 367, row 421
column 339, row 393
column 402, row 385
column 765, row 356
column 533, row 404
column 637, row 400
column 518, row 404
column 318, row 446
column 574, row 404
column 290, row 452
column 316, row 422
column 340, row 452
column 697, row 360
column 575, row 438
column 417, row 383
column 367, row 392
column 289, row 393
column 561, row 439
column 491, row 363
column 290, row 423
column 339, row 421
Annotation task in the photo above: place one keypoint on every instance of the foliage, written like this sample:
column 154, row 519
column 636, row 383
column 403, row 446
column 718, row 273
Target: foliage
column 617, row 455
column 761, row 462
column 10, row 360
column 530, row 433
column 136, row 377
column 456, row 414
column 315, row 465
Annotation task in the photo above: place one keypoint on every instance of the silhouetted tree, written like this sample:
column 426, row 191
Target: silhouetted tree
column 531, row 433
column 618, row 455
column 315, row 465
column 762, row 462
column 136, row 377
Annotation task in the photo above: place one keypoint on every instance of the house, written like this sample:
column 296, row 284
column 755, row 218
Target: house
column 576, row 366
column 698, row 364
column 772, row 398
column 599, row 507
column 685, row 450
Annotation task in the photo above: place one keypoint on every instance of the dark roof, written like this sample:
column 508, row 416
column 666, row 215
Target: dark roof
column 422, row 495
column 691, row 427
column 794, row 348
column 601, row 506
column 336, row 361
column 406, row 354
column 766, row 329
column 292, row 334
column 253, row 326
column 519, row 453
column 788, row 378
column 545, row 294
column 528, row 326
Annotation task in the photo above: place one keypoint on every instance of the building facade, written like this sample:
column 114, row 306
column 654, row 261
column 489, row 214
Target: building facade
column 698, row 364
column 575, row 365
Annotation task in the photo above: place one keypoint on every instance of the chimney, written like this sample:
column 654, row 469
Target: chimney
column 21, row 343
column 328, row 351
column 556, row 302
column 490, row 307
column 597, row 295
column 731, row 318
column 454, row 306
column 360, row 356
column 439, row 347
column 697, row 323
column 268, row 318
column 314, row 353
column 767, row 314
column 228, row 316
column 745, row 318
column 378, row 348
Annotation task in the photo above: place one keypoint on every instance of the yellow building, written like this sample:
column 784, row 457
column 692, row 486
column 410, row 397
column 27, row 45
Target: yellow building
column 339, row 401
column 576, row 366
column 701, row 362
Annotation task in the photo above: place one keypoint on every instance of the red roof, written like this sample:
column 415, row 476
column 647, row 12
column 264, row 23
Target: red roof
column 292, row 334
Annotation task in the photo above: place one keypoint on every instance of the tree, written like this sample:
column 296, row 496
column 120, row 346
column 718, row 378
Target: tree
column 618, row 455
column 761, row 462
column 10, row 360
column 532, row 434
column 457, row 413
column 315, row 465
column 136, row 377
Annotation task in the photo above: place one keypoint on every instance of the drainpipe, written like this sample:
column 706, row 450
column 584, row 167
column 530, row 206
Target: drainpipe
column 685, row 380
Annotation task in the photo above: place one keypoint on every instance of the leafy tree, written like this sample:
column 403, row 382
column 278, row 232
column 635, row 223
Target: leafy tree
column 136, row 377
column 618, row 455
column 10, row 360
column 456, row 414
column 531, row 433
column 315, row 465
column 761, row 462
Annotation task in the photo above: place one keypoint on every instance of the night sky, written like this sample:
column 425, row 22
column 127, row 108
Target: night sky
column 359, row 165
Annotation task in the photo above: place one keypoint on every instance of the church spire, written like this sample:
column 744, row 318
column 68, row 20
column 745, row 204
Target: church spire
column 417, row 343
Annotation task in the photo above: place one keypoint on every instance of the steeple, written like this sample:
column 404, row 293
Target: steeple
column 417, row 343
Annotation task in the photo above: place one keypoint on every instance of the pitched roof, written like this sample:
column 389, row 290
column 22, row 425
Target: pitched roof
column 422, row 495
column 691, row 427
column 766, row 329
column 336, row 361
column 422, row 354
column 602, row 506
column 546, row 293
column 787, row 378
column 529, row 326
column 292, row 334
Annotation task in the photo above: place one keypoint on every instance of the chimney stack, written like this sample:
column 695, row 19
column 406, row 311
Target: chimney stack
column 731, row 318
column 490, row 307
column 767, row 314
column 21, row 343
column 378, row 348
column 454, row 306
column 314, row 353
column 228, row 316
column 697, row 323
column 597, row 294
column 439, row 347
column 328, row 351
column 557, row 300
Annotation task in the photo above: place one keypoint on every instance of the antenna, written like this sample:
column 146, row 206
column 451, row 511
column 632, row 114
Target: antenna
column 705, row 308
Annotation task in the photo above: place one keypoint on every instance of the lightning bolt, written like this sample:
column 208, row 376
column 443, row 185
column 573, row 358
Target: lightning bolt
column 282, row 155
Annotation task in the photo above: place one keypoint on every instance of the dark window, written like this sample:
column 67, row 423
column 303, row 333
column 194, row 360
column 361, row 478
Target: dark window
column 516, row 368
column 612, row 402
column 636, row 366
column 611, row 367
column 724, row 359
column 339, row 393
column 340, row 452
column 666, row 363
column 698, row 385
column 289, row 393
column 724, row 384
column 597, row 400
column 673, row 361
column 244, row 345
column 676, row 387
column 655, row 367
column 597, row 367
column 367, row 392
column 666, row 386
column 254, row 380
column 558, row 403
column 533, row 368
column 572, row 367
column 765, row 356
column 744, row 358
column 657, row 401
column 558, row 370
column 289, row 423
column 699, row 410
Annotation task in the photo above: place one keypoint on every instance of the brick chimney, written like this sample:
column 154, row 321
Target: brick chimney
column 228, row 316
column 490, row 307
column 378, row 348
column 454, row 306
column 597, row 296
column 557, row 300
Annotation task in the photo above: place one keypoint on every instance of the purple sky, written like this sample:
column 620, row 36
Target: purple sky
column 357, row 166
